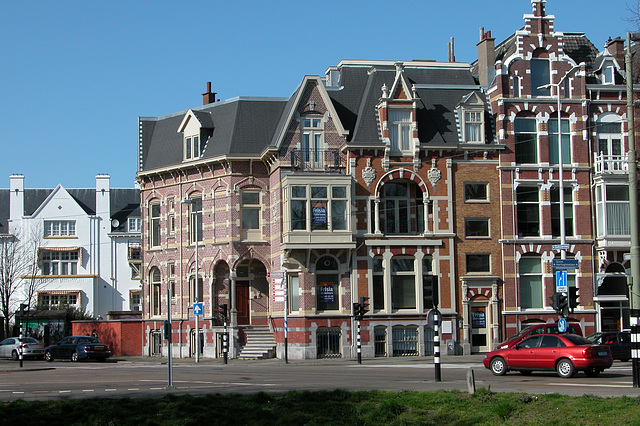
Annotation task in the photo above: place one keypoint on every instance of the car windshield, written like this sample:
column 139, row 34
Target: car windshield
column 522, row 332
column 577, row 340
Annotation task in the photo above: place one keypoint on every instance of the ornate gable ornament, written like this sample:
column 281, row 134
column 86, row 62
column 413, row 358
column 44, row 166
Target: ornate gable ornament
column 434, row 175
column 368, row 173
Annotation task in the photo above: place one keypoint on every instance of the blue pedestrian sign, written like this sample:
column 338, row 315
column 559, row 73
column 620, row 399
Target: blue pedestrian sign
column 562, row 325
column 197, row 309
column 561, row 282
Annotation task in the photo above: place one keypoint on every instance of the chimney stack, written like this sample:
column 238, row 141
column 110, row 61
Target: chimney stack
column 617, row 50
column 208, row 97
column 486, row 58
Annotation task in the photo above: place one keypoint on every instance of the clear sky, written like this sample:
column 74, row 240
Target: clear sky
column 76, row 75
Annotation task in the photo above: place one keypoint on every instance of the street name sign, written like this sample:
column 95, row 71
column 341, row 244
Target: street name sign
column 565, row 263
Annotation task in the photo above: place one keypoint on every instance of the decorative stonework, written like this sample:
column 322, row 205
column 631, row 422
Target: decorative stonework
column 368, row 173
column 434, row 175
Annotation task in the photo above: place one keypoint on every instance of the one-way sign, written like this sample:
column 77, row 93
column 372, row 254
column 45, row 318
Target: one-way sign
column 197, row 308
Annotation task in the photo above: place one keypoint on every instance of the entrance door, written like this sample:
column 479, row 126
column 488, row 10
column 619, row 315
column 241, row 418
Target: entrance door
column 242, row 302
column 480, row 341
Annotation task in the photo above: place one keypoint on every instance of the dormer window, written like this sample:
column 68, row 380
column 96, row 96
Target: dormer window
column 192, row 147
column 608, row 74
column 400, row 130
column 473, row 127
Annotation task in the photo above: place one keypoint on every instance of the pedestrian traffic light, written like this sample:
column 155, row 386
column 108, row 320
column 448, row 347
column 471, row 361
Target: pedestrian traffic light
column 430, row 291
column 573, row 298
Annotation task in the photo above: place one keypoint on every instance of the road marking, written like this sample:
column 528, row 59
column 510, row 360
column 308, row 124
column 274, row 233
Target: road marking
column 133, row 389
column 88, row 390
column 623, row 385
column 64, row 391
column 16, row 392
column 111, row 390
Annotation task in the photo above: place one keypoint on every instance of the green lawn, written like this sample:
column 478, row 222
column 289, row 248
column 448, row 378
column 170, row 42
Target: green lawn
column 331, row 408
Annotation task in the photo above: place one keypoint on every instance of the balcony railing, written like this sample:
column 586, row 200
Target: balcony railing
column 314, row 160
column 610, row 164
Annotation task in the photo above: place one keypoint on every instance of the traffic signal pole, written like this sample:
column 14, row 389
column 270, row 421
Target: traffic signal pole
column 436, row 344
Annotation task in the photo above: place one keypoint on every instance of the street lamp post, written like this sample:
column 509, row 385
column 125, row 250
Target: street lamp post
column 196, row 280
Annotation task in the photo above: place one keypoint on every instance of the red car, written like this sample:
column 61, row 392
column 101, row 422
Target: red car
column 531, row 330
column 564, row 353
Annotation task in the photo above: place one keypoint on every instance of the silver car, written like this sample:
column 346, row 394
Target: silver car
column 31, row 348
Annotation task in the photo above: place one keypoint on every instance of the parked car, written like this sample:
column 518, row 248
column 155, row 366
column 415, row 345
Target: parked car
column 532, row 330
column 618, row 341
column 564, row 353
column 76, row 348
column 31, row 348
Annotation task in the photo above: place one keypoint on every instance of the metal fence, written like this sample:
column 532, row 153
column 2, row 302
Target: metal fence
column 328, row 339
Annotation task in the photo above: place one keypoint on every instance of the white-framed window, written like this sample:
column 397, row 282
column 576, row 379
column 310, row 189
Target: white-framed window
column 134, row 224
column 400, row 130
column 250, row 208
column 613, row 210
column 319, row 207
column 476, row 227
column 195, row 220
column 171, row 215
column 59, row 228
column 476, row 192
column 57, row 299
column 473, row 126
column 526, row 132
column 555, row 211
column 478, row 263
column 528, row 211
column 402, row 208
column 608, row 74
column 540, row 76
column 59, row 262
column 378, row 284
column 154, row 224
column 610, row 150
column 312, row 142
column 565, row 134
column 530, row 275
column 192, row 147
column 403, row 283
column 135, row 300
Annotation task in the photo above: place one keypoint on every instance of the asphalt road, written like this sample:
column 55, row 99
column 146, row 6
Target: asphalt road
column 145, row 377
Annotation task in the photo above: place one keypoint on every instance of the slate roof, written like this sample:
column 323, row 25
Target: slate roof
column 440, row 90
column 125, row 202
column 240, row 127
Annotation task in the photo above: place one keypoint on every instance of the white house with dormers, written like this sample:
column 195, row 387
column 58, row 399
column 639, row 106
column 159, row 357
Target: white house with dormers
column 89, row 244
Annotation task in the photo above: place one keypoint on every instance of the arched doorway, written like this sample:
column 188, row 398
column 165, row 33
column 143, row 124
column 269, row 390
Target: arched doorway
column 252, row 292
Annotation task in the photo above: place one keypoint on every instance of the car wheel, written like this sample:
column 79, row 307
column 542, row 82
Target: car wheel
column 15, row 356
column 498, row 366
column 526, row 372
column 48, row 356
column 565, row 368
column 592, row 372
column 74, row 357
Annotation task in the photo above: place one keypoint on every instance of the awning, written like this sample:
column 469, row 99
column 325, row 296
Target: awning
column 57, row 292
column 76, row 249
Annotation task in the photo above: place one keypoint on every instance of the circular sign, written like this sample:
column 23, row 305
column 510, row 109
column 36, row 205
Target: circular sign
column 562, row 325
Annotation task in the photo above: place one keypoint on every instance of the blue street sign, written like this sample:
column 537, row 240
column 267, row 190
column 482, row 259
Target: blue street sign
column 561, row 282
column 197, row 309
column 562, row 325
column 560, row 247
column 565, row 263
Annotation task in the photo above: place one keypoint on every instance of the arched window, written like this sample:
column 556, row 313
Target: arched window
column 402, row 209
column 156, row 291
column 328, row 284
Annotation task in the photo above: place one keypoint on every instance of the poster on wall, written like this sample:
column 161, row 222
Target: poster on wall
column 478, row 319
column 319, row 212
column 327, row 294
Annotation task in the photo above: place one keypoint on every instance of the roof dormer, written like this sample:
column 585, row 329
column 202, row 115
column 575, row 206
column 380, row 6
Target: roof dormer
column 196, row 127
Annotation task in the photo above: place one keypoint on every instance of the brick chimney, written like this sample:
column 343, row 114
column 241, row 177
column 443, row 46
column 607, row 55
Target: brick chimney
column 486, row 58
column 208, row 97
column 616, row 48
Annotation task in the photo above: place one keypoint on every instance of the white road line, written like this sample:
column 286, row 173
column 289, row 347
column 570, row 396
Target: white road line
column 111, row 390
column 18, row 392
column 88, row 390
column 133, row 389
column 626, row 385
column 64, row 391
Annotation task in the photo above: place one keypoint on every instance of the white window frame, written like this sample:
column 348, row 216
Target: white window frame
column 312, row 143
column 59, row 263
column 472, row 117
column 539, row 281
column 134, row 225
column 192, row 147
column 608, row 73
column 400, row 130
column 154, row 225
column 252, row 233
column 59, row 228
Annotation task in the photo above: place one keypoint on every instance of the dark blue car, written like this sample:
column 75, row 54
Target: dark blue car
column 618, row 341
column 76, row 348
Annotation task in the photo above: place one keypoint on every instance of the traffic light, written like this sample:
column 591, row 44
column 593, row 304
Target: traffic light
column 573, row 298
column 364, row 306
column 430, row 291
column 555, row 301
column 224, row 310
column 356, row 310
column 560, row 303
column 167, row 330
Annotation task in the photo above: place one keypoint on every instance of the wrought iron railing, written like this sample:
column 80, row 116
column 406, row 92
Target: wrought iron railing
column 313, row 160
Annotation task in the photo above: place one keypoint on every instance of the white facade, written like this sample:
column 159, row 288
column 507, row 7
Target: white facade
column 89, row 244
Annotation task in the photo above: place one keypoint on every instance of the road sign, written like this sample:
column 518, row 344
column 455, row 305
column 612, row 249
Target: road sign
column 560, row 247
column 197, row 309
column 561, row 282
column 565, row 264
column 562, row 325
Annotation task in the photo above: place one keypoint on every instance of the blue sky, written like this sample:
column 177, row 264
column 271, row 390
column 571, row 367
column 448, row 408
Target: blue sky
column 76, row 75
